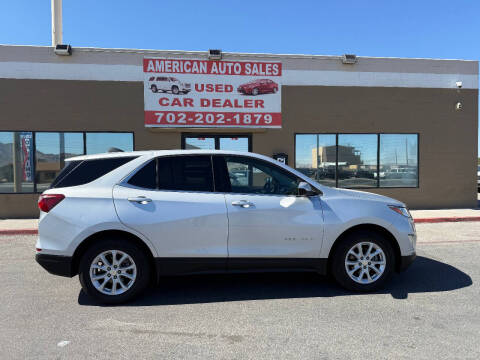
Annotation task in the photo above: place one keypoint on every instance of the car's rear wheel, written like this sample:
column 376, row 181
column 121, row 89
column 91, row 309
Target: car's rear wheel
column 255, row 92
column 175, row 90
column 154, row 88
column 363, row 261
column 113, row 271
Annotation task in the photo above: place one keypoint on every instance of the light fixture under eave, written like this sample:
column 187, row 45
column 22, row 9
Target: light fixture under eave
column 215, row 54
column 63, row 49
column 349, row 59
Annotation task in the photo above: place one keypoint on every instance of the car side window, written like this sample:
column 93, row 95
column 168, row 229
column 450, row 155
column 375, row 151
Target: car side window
column 146, row 176
column 185, row 173
column 254, row 176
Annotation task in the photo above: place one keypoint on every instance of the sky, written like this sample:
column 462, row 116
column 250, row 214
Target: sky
column 447, row 29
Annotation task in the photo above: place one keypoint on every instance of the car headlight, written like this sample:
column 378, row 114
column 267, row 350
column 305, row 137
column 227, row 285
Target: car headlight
column 400, row 210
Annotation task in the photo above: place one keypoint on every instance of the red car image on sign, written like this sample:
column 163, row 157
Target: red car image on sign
column 261, row 86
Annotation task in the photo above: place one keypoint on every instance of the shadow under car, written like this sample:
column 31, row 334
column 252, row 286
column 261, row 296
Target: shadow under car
column 424, row 275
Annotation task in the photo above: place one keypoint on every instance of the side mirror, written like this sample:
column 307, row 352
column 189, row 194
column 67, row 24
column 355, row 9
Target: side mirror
column 304, row 189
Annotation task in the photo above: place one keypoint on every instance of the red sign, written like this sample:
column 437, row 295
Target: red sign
column 203, row 93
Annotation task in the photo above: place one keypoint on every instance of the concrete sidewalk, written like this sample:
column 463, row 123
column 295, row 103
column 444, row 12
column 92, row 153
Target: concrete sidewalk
column 445, row 215
column 30, row 226
column 18, row 226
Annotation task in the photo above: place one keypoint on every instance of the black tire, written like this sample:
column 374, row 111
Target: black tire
column 175, row 90
column 140, row 259
column 339, row 256
column 255, row 92
column 154, row 88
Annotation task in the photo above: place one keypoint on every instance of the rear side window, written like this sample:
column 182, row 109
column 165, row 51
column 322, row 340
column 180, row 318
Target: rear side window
column 146, row 176
column 186, row 173
column 85, row 171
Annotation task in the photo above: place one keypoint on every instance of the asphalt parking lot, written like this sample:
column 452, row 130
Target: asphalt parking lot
column 430, row 311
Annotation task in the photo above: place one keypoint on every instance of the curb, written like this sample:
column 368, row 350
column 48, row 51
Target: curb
column 446, row 219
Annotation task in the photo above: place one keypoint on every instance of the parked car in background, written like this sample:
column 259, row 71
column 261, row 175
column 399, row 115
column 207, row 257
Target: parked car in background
column 365, row 173
column 400, row 173
column 168, row 83
column 382, row 174
column 122, row 220
column 261, row 86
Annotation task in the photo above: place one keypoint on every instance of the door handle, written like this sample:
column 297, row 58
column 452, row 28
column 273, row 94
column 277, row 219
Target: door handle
column 242, row 203
column 140, row 200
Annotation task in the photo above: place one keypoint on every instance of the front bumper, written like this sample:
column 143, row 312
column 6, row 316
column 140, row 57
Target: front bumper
column 406, row 261
column 56, row 264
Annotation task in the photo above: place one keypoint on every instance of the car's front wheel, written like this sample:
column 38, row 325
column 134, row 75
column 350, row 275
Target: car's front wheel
column 154, row 88
column 363, row 261
column 255, row 92
column 175, row 90
column 113, row 271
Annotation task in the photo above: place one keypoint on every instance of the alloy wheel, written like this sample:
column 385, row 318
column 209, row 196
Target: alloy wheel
column 365, row 262
column 113, row 272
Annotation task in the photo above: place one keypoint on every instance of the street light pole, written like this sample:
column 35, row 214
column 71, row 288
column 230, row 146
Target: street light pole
column 57, row 30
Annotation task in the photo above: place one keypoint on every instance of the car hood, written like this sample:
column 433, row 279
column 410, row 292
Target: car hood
column 362, row 195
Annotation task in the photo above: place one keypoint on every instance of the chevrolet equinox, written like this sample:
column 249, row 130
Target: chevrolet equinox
column 122, row 220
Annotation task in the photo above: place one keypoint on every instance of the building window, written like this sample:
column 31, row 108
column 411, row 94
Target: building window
column 51, row 150
column 30, row 161
column 104, row 142
column 359, row 160
column 315, row 156
column 16, row 162
column 398, row 160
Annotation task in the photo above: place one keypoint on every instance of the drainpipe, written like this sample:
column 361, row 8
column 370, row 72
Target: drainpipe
column 57, row 31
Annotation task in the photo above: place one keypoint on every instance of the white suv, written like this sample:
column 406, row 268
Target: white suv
column 168, row 83
column 121, row 220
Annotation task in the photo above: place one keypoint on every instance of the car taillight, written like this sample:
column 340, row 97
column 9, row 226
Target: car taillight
column 47, row 202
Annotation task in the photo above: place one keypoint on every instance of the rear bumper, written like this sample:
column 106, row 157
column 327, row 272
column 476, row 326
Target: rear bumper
column 406, row 261
column 56, row 264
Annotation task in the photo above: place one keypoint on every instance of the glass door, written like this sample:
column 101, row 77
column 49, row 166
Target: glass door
column 195, row 143
column 217, row 142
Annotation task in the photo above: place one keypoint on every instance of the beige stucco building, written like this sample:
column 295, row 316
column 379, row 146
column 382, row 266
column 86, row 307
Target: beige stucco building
column 405, row 128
